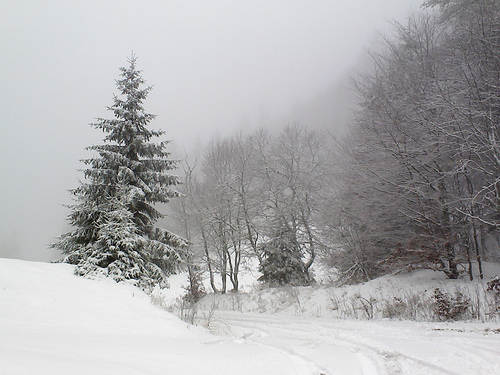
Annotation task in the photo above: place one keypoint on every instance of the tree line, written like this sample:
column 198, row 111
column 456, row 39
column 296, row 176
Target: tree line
column 415, row 182
column 421, row 182
column 257, row 196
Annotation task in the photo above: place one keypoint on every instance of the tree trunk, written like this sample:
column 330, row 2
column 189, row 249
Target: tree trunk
column 209, row 262
column 478, row 252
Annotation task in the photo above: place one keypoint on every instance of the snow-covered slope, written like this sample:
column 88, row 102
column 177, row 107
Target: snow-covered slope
column 52, row 322
column 402, row 296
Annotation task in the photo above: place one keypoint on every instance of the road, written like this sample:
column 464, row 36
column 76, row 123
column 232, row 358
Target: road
column 339, row 347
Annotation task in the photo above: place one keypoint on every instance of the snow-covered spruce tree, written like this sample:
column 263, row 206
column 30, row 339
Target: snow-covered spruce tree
column 282, row 260
column 114, row 217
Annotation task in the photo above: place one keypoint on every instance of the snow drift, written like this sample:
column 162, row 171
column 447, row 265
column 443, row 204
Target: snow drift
column 52, row 322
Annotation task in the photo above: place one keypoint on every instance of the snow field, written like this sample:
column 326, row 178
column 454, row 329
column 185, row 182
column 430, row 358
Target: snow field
column 352, row 347
column 298, row 321
column 52, row 322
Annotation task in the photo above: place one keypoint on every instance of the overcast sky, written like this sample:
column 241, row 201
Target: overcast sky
column 216, row 66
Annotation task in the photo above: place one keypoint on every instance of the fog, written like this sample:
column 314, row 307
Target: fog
column 217, row 67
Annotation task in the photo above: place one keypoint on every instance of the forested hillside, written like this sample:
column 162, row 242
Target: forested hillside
column 415, row 182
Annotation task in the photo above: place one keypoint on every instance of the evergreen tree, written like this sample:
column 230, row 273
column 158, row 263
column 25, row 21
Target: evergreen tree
column 114, row 217
column 282, row 260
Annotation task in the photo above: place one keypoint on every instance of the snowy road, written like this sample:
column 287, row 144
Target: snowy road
column 333, row 347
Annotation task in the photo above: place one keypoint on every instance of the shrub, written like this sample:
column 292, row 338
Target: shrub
column 493, row 286
column 450, row 307
column 195, row 290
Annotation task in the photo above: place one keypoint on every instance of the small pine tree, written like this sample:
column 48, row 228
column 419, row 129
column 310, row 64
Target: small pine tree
column 195, row 290
column 282, row 261
column 114, row 216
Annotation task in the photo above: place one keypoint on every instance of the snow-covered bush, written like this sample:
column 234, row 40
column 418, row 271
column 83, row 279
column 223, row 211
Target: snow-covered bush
column 407, row 305
column 493, row 287
column 282, row 260
column 195, row 290
column 450, row 307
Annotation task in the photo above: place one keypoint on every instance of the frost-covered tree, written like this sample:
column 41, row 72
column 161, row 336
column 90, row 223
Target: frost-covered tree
column 114, row 215
column 282, row 260
column 294, row 173
column 424, row 148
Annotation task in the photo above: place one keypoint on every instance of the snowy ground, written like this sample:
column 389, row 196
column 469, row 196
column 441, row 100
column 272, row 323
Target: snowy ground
column 370, row 300
column 335, row 347
column 52, row 322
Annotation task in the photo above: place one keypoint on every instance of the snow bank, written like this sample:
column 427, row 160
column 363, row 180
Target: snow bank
column 410, row 292
column 52, row 322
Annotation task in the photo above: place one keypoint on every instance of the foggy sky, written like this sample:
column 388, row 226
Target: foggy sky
column 216, row 66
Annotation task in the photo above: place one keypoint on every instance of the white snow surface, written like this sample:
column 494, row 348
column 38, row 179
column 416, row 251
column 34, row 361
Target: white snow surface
column 52, row 322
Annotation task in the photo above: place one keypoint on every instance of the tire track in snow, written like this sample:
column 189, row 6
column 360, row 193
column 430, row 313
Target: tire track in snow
column 268, row 332
column 465, row 349
column 301, row 364
column 392, row 359
column 375, row 351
